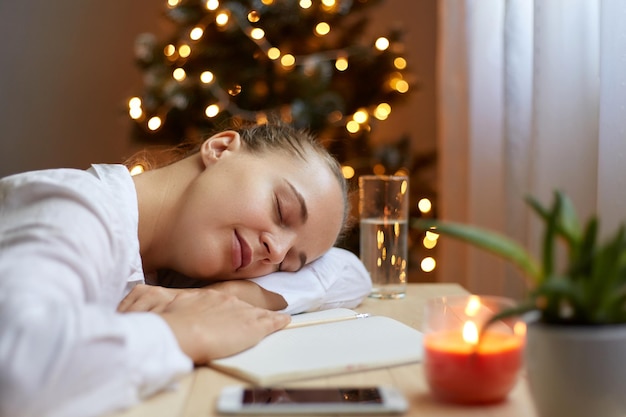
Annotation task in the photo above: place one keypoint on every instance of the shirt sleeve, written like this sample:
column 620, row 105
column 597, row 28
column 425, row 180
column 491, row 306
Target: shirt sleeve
column 64, row 350
column 336, row 279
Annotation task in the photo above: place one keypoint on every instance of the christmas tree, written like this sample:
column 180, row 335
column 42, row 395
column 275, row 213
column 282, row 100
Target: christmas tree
column 313, row 63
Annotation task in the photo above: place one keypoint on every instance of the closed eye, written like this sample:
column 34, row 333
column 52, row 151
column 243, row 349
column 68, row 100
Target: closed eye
column 279, row 210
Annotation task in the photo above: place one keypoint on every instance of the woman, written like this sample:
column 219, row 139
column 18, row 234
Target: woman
column 73, row 243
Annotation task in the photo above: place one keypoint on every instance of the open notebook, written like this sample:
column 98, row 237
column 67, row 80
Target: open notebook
column 325, row 343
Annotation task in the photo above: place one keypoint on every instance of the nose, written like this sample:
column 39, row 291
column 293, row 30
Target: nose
column 277, row 245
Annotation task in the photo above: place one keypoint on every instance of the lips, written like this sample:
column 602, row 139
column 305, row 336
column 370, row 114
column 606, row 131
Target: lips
column 241, row 252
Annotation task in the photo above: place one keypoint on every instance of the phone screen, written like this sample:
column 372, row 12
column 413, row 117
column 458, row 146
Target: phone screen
column 311, row 396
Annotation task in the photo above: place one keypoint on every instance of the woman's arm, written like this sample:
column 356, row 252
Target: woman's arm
column 156, row 298
column 252, row 293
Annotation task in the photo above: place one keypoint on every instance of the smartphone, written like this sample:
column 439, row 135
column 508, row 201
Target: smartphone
column 350, row 400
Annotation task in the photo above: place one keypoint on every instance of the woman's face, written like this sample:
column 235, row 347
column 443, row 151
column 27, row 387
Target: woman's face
column 249, row 214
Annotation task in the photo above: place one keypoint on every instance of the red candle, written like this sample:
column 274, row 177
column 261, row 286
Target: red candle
column 458, row 369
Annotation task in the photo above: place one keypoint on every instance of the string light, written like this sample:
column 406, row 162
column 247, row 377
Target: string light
column 137, row 169
column 424, row 205
column 428, row 264
column 207, row 77
column 212, row 4
column 196, row 33
column 212, row 110
column 184, row 51
column 347, row 171
column 154, row 123
column 222, row 19
column 354, row 124
column 341, row 64
column 273, row 53
column 382, row 43
column 322, row 29
column 179, row 74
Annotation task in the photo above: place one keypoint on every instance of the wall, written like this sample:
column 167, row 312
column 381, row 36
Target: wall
column 67, row 68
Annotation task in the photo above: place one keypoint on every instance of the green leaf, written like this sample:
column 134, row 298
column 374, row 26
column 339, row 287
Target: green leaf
column 493, row 242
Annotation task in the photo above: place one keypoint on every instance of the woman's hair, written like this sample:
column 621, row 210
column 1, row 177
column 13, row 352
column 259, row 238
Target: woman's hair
column 259, row 138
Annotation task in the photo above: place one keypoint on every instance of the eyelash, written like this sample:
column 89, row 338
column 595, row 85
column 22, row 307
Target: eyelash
column 279, row 210
column 279, row 213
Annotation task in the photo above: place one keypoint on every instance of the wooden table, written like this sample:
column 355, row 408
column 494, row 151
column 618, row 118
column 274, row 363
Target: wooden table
column 196, row 394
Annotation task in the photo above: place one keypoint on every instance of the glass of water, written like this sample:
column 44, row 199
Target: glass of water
column 384, row 213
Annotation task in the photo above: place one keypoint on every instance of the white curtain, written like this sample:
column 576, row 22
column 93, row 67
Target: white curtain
column 532, row 98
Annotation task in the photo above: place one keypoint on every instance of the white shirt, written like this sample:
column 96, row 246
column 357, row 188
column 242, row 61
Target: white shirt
column 69, row 253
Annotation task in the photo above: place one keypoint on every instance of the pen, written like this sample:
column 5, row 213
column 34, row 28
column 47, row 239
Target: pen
column 294, row 325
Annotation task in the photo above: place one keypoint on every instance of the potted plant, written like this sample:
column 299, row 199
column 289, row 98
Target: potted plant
column 576, row 341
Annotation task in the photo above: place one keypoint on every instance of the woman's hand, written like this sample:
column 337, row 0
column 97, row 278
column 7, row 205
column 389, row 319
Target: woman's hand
column 251, row 293
column 208, row 324
column 148, row 298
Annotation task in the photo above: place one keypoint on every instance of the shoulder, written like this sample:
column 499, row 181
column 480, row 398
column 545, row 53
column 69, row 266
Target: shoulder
column 100, row 198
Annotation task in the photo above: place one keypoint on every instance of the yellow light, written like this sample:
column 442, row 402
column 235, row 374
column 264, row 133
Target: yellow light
column 428, row 264
column 222, row 19
column 341, row 64
column 179, row 74
column 184, row 51
column 134, row 102
column 212, row 4
column 402, row 172
column 273, row 53
column 169, row 50
column 257, row 33
column 322, row 29
column 379, row 169
column 424, row 205
column 196, row 33
column 137, row 169
column 347, row 171
column 352, row 126
column 470, row 332
column 429, row 243
column 207, row 77
column 404, row 187
column 173, row 3
column 154, row 123
column 361, row 116
column 382, row 43
column 382, row 111
column 254, row 16
column 402, row 86
column 329, row 3
column 305, row 4
column 431, row 235
column 473, row 306
column 399, row 63
column 212, row 110
column 135, row 113
column 234, row 90
column 267, row 2
column 288, row 60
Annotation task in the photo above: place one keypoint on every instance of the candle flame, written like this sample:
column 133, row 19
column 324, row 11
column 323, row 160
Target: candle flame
column 473, row 306
column 470, row 333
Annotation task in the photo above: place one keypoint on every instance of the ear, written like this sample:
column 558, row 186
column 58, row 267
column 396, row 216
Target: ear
column 214, row 147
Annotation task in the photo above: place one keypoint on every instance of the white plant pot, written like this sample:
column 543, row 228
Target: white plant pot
column 577, row 371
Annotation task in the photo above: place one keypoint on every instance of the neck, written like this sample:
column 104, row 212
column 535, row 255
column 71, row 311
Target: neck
column 158, row 194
